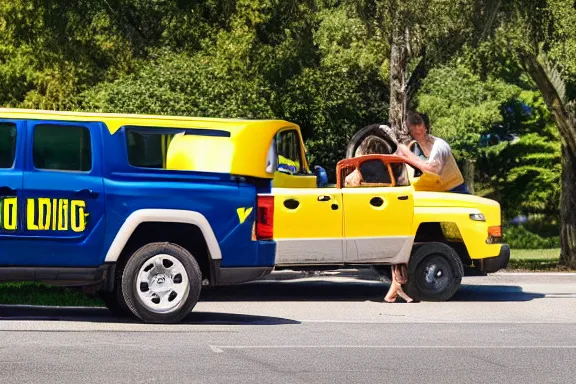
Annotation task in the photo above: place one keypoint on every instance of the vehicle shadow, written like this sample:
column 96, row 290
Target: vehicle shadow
column 103, row 315
column 353, row 290
column 494, row 293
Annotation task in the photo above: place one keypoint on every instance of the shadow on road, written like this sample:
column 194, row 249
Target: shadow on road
column 494, row 293
column 351, row 291
column 103, row 315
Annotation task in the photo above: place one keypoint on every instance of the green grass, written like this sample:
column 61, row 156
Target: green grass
column 40, row 294
column 534, row 260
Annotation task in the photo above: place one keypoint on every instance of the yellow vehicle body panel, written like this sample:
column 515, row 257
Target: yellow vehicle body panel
column 283, row 180
column 392, row 218
column 243, row 153
column 445, row 207
column 307, row 228
column 312, row 218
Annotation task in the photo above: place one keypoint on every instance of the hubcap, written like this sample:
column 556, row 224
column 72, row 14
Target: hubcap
column 434, row 275
column 162, row 284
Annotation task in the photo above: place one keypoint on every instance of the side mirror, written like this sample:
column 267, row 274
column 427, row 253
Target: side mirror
column 321, row 176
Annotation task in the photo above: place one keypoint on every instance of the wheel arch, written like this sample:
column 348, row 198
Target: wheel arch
column 162, row 216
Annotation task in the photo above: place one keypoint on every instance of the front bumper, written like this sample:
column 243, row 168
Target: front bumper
column 496, row 263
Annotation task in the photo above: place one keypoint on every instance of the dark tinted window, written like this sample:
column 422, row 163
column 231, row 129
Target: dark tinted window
column 62, row 147
column 289, row 152
column 7, row 144
column 400, row 172
column 148, row 149
column 375, row 171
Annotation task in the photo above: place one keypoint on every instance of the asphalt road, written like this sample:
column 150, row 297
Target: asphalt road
column 498, row 329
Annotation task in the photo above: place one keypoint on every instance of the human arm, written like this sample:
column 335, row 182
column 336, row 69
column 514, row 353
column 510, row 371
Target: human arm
column 434, row 165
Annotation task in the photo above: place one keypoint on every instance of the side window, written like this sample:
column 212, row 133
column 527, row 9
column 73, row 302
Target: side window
column 289, row 152
column 148, row 149
column 62, row 147
column 272, row 158
column 375, row 172
column 400, row 173
column 7, row 144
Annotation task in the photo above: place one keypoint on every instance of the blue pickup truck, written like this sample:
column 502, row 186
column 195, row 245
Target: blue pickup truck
column 144, row 210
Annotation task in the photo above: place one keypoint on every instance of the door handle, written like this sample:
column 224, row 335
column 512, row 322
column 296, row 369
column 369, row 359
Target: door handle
column 324, row 198
column 86, row 192
column 403, row 197
column 291, row 203
column 7, row 191
column 376, row 201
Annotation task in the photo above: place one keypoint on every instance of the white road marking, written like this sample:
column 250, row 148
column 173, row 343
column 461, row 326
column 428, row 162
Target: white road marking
column 534, row 274
column 215, row 349
column 391, row 321
column 221, row 348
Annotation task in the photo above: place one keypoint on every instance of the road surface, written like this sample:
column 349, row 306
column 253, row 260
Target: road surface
column 518, row 328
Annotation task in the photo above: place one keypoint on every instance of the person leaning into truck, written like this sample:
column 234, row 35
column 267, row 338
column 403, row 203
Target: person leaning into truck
column 376, row 145
column 432, row 154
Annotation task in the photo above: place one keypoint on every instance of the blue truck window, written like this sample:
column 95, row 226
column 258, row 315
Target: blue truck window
column 63, row 148
column 148, row 149
column 148, row 146
column 7, row 144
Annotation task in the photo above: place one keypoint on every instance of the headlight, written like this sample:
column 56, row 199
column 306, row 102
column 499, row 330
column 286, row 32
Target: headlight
column 477, row 217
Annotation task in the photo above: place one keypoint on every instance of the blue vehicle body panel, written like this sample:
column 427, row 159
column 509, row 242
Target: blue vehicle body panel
column 11, row 179
column 51, row 209
column 108, row 194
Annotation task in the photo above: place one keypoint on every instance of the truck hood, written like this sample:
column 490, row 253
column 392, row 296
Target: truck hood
column 449, row 199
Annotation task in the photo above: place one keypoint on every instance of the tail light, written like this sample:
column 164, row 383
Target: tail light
column 494, row 234
column 265, row 217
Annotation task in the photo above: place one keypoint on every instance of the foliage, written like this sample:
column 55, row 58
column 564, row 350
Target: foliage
column 461, row 106
column 522, row 238
column 324, row 65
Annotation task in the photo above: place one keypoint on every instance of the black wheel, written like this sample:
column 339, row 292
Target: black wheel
column 161, row 283
column 434, row 272
column 115, row 302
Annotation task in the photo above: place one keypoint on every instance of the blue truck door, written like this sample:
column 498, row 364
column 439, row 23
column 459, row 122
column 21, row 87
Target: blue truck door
column 12, row 136
column 63, row 223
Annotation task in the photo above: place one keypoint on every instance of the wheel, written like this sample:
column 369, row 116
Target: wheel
column 434, row 272
column 115, row 302
column 161, row 283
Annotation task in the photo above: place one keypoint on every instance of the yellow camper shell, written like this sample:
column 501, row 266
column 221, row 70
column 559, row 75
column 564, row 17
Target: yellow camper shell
column 243, row 152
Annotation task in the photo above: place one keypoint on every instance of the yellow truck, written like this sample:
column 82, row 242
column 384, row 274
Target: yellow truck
column 393, row 216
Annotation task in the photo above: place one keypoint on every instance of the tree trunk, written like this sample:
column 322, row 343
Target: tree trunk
column 568, row 209
column 468, row 171
column 566, row 122
column 398, row 63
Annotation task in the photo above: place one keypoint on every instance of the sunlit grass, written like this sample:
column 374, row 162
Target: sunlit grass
column 534, row 259
column 40, row 294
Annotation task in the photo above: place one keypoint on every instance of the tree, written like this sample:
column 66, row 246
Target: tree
column 422, row 35
column 541, row 35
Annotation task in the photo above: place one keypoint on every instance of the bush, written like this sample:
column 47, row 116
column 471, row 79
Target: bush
column 521, row 238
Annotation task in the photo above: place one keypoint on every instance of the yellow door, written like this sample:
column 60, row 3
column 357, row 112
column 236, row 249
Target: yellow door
column 308, row 225
column 377, row 224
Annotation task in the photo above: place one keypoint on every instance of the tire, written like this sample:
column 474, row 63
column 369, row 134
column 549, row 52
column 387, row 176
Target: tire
column 115, row 302
column 161, row 283
column 434, row 272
